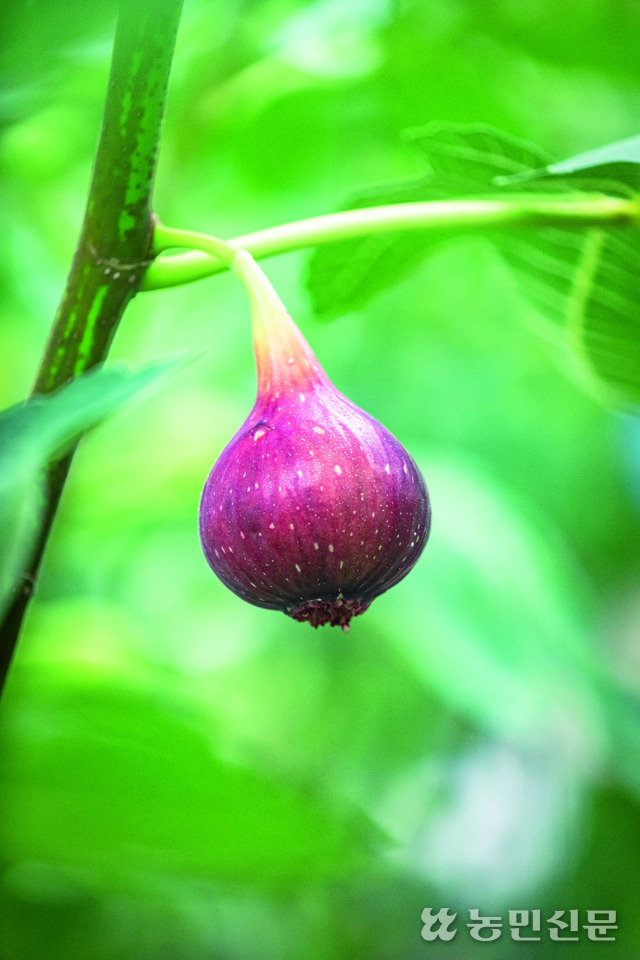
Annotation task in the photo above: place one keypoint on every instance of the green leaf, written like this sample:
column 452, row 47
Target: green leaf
column 44, row 427
column 582, row 281
column 618, row 163
column 603, row 315
column 112, row 775
column 463, row 162
column 472, row 154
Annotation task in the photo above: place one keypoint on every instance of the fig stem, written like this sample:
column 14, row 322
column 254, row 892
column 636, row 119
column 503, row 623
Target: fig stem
column 262, row 296
column 166, row 238
column 571, row 212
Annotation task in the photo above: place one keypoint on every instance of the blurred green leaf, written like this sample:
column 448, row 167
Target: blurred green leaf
column 603, row 315
column 585, row 280
column 112, row 775
column 463, row 161
column 42, row 427
column 617, row 162
column 471, row 154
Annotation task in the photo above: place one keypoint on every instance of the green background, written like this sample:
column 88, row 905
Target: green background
column 187, row 776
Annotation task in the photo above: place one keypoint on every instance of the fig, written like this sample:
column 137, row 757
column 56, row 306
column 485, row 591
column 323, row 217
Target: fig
column 313, row 508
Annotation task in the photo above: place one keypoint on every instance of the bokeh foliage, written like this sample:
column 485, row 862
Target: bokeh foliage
column 187, row 776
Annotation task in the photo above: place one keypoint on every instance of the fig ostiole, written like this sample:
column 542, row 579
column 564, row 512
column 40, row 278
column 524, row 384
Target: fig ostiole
column 313, row 508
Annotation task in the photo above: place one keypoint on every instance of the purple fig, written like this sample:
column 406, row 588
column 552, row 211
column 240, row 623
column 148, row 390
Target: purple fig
column 313, row 508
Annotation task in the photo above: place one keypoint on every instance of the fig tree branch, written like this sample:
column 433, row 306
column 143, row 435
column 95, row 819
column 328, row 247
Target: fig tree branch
column 115, row 245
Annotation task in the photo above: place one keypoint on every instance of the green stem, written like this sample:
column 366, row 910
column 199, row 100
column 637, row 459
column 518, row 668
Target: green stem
column 262, row 295
column 261, row 292
column 164, row 238
column 515, row 210
column 115, row 245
